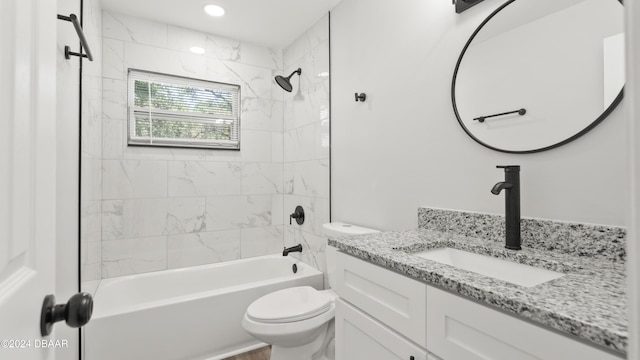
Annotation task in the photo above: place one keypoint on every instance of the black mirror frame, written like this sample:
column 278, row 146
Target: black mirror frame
column 603, row 116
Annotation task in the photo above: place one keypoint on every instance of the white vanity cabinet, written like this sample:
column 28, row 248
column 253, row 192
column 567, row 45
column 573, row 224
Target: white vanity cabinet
column 359, row 336
column 380, row 314
column 383, row 315
column 458, row 328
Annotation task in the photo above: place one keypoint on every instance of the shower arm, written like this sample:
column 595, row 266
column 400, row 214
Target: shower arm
column 299, row 72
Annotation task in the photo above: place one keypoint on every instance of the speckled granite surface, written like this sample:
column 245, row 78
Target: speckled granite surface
column 588, row 302
column 597, row 241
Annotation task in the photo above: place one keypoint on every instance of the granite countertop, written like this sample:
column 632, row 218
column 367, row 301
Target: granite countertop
column 588, row 302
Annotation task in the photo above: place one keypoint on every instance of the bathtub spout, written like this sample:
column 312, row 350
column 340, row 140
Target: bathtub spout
column 297, row 248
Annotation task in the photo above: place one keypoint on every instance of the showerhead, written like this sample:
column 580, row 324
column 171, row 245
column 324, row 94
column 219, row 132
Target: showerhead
column 285, row 82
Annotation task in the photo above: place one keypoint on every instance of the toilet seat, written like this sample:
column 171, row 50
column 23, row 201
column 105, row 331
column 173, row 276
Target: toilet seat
column 289, row 330
column 289, row 305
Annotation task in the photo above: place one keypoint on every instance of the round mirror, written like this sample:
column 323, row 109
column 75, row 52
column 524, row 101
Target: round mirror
column 537, row 74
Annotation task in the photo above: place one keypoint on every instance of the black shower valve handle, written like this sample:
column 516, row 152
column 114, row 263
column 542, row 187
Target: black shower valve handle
column 293, row 216
column 298, row 214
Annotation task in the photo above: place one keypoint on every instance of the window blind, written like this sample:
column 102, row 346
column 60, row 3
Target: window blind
column 166, row 110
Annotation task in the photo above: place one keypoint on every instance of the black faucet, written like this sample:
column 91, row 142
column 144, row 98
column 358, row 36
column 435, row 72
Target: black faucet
column 511, row 185
column 297, row 248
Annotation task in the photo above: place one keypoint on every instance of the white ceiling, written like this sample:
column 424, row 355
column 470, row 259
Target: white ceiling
column 271, row 23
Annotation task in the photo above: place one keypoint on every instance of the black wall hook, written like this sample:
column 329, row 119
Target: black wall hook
column 361, row 97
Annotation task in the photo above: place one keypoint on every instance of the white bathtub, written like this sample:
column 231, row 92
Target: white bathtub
column 191, row 313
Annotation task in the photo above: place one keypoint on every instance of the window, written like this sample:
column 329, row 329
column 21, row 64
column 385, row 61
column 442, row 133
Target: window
column 166, row 110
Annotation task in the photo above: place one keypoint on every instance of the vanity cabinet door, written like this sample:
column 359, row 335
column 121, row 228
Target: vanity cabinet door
column 359, row 336
column 394, row 299
column 458, row 328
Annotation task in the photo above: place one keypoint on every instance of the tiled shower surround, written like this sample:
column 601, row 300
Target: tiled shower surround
column 165, row 208
column 306, row 142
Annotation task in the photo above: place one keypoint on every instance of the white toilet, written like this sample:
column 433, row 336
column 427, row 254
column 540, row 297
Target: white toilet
column 298, row 322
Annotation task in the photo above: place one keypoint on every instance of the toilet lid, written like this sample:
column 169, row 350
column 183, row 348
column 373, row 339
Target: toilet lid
column 288, row 305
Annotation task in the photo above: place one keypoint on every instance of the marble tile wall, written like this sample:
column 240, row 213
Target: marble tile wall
column 91, row 146
column 165, row 208
column 306, row 142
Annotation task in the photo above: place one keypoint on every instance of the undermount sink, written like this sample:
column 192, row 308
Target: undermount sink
column 519, row 274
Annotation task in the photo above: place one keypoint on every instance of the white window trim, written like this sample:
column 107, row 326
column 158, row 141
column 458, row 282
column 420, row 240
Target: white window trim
column 234, row 144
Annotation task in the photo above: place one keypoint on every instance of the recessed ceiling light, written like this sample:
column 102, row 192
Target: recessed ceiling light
column 214, row 10
column 197, row 50
column 323, row 74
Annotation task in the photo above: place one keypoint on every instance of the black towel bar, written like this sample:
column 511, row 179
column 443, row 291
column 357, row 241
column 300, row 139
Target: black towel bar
column 520, row 112
column 83, row 40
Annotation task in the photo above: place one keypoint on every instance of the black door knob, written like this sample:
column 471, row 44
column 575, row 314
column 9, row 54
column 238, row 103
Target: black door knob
column 76, row 312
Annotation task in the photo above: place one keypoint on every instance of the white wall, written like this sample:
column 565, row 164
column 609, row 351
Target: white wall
column 632, row 114
column 167, row 208
column 403, row 148
column 67, row 108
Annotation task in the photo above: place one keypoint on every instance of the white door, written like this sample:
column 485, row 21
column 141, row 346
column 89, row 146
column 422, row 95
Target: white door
column 27, row 173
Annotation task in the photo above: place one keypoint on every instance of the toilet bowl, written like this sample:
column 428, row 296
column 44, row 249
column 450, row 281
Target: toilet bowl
column 298, row 321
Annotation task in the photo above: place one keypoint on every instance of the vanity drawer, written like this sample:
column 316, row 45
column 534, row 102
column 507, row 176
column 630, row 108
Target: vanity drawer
column 394, row 299
column 459, row 328
column 358, row 336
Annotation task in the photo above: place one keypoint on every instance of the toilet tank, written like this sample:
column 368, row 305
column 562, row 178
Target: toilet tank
column 336, row 229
